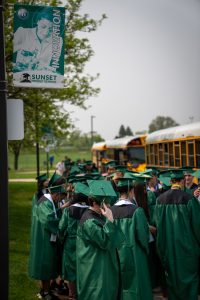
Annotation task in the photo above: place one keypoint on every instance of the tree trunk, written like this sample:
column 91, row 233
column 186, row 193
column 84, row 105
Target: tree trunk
column 16, row 160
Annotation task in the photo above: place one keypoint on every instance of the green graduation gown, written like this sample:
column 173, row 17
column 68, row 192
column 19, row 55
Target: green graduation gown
column 43, row 259
column 133, row 253
column 67, row 233
column 97, row 264
column 177, row 218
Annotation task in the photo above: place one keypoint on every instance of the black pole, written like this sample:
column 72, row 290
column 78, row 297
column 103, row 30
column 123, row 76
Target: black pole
column 37, row 139
column 4, row 258
column 48, row 163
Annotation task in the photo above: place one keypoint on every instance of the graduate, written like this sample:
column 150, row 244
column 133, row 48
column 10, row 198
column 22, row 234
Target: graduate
column 97, row 239
column 177, row 219
column 68, row 231
column 133, row 253
column 43, row 260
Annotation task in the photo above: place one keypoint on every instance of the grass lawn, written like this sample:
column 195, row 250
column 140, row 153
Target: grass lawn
column 20, row 285
column 27, row 160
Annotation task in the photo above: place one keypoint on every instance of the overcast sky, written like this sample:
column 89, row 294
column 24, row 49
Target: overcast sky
column 148, row 55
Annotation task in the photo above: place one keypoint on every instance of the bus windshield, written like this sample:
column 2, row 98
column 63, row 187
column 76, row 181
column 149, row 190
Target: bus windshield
column 136, row 155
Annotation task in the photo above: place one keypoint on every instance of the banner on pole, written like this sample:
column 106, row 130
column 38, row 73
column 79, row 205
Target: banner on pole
column 38, row 50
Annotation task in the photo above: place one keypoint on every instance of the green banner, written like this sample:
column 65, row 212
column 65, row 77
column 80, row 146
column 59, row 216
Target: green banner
column 38, row 47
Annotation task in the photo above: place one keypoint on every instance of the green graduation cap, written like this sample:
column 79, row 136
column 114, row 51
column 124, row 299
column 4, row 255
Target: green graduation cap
column 59, row 189
column 197, row 173
column 166, row 172
column 165, row 180
column 125, row 182
column 53, row 179
column 81, row 188
column 75, row 170
column 152, row 172
column 178, row 174
column 187, row 170
column 101, row 190
column 42, row 177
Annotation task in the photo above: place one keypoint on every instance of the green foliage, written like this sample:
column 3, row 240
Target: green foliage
column 161, row 122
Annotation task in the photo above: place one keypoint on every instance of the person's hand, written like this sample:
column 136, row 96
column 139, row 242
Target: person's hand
column 106, row 212
column 152, row 229
column 197, row 192
column 67, row 204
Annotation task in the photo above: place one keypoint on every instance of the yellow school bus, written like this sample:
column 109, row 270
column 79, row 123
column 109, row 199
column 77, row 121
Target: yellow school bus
column 99, row 154
column 174, row 147
column 128, row 151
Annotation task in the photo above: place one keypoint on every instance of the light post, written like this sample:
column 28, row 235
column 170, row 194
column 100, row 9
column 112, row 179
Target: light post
column 4, row 257
column 92, row 131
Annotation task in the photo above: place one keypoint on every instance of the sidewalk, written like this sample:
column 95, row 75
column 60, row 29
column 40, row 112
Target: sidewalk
column 22, row 180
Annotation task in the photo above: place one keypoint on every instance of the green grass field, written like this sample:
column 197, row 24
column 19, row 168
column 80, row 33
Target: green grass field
column 27, row 167
column 20, row 285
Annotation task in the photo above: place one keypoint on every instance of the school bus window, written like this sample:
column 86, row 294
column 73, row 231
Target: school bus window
column 147, row 154
column 160, row 154
column 171, row 155
column 191, row 153
column 156, row 154
column 177, row 154
column 166, row 154
column 136, row 155
column 152, row 154
column 198, row 153
column 183, row 154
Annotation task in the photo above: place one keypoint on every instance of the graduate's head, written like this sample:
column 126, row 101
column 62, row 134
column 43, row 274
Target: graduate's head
column 100, row 192
column 58, row 193
column 177, row 177
column 80, row 193
column 42, row 181
column 124, row 186
column 44, row 25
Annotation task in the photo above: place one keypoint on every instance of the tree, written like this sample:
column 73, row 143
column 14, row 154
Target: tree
column 129, row 131
column 41, row 106
column 122, row 131
column 161, row 123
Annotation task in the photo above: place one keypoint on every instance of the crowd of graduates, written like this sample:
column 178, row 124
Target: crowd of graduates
column 118, row 235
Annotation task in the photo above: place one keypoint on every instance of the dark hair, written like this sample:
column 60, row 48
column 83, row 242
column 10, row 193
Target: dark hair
column 141, row 197
column 77, row 198
column 124, row 189
column 44, row 14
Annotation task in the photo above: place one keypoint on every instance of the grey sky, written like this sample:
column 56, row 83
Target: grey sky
column 148, row 55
